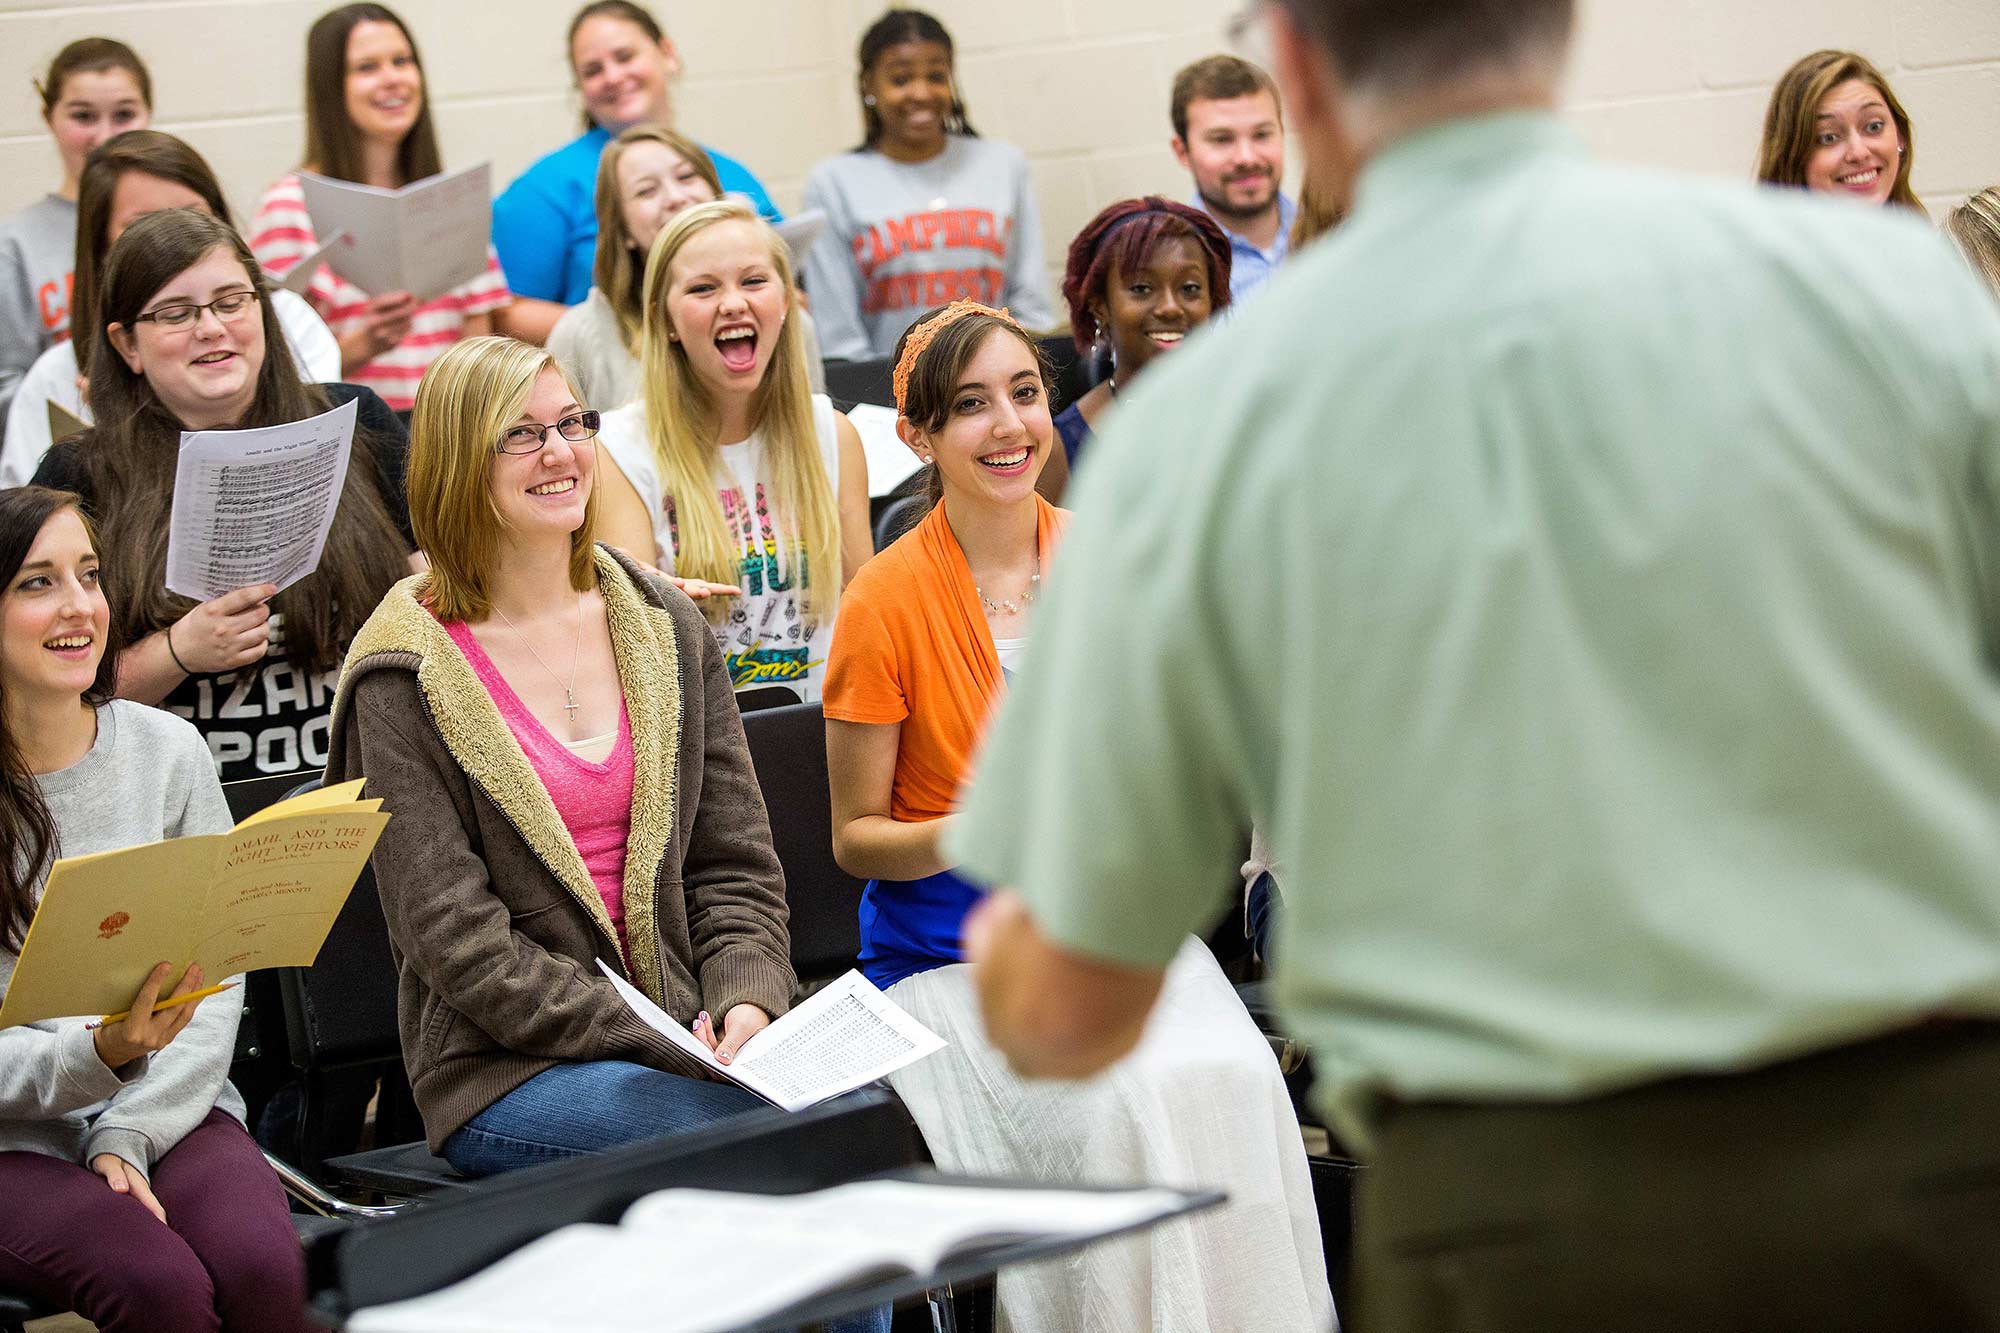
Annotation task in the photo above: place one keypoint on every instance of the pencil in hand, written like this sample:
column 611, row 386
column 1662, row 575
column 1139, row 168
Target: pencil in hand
column 167, row 1003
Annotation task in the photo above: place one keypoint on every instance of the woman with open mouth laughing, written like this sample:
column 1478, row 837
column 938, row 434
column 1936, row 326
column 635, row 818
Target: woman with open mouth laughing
column 368, row 120
column 1142, row 275
column 728, row 468
column 1834, row 126
column 186, row 339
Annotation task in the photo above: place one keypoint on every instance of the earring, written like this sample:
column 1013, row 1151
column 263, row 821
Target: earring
column 868, row 99
column 927, row 458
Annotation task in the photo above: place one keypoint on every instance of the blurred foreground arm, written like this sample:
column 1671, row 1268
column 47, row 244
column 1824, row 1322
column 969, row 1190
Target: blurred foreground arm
column 1052, row 1012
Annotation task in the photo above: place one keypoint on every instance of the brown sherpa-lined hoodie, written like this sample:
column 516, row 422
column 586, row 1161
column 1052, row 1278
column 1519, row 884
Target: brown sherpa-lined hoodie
column 495, row 925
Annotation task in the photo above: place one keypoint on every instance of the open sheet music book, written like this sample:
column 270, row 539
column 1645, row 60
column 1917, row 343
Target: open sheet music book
column 847, row 1035
column 697, row 1261
column 264, row 894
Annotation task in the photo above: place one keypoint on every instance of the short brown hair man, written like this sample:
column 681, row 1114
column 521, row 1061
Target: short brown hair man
column 1229, row 133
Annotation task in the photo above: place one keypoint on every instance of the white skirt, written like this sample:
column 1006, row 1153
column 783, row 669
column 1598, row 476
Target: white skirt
column 1199, row 1103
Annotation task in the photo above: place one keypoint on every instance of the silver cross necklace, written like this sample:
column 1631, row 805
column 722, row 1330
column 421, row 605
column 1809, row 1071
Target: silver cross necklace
column 575, row 653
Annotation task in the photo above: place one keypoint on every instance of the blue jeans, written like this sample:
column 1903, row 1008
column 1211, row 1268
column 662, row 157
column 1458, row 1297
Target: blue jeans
column 574, row 1110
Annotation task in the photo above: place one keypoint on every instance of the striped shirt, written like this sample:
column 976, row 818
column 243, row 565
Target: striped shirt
column 282, row 235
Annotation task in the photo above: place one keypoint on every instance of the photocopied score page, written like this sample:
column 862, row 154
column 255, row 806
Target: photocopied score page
column 846, row 1036
column 255, row 506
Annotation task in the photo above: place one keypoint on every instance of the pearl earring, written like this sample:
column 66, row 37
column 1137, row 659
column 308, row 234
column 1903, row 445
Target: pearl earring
column 868, row 99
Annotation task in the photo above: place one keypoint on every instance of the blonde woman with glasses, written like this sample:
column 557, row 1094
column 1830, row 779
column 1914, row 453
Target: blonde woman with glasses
column 739, row 473
column 554, row 728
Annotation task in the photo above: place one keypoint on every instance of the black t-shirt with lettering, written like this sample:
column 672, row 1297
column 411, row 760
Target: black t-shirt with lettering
column 273, row 716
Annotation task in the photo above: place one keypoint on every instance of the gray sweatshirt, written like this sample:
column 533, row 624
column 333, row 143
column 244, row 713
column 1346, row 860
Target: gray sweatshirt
column 37, row 264
column 902, row 238
column 148, row 777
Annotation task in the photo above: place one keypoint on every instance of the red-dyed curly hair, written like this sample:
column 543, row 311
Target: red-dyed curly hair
column 1125, row 235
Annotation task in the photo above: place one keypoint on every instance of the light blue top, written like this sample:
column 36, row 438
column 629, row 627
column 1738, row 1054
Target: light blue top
column 545, row 223
column 1249, row 267
column 1590, row 579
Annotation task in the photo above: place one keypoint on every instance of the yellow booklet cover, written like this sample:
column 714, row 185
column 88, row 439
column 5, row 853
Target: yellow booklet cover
column 264, row 894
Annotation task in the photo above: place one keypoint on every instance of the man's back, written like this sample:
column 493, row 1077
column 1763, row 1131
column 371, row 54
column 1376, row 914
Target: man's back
column 1590, row 576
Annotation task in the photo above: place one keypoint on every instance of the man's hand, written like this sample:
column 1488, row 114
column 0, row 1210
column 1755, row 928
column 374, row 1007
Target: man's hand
column 1052, row 1012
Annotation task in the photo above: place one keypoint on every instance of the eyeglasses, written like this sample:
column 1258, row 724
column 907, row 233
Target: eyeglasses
column 530, row 436
column 228, row 307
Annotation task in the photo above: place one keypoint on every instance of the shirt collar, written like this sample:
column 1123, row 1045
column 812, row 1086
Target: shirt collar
column 1459, row 151
column 1287, row 210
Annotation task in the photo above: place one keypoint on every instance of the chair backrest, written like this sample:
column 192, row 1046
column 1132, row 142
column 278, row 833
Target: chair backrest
column 901, row 515
column 788, row 748
column 249, row 795
column 341, row 1011
column 765, row 696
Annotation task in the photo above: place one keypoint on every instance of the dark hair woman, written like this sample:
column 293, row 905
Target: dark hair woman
column 254, row 671
column 543, row 224
column 1142, row 275
column 884, row 256
column 138, row 172
column 368, row 120
column 141, row 1108
column 94, row 88
column 929, row 631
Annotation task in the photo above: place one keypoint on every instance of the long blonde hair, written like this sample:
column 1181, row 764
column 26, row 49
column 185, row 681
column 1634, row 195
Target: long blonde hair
column 1975, row 226
column 681, row 426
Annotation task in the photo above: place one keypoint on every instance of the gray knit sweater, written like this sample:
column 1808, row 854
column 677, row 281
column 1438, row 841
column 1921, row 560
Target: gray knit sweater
column 148, row 777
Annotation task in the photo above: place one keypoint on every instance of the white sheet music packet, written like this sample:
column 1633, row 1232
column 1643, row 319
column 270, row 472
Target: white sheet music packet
column 425, row 238
column 847, row 1035
column 254, row 506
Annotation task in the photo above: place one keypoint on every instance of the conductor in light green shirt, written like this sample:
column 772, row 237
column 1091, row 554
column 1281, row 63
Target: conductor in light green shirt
column 1590, row 579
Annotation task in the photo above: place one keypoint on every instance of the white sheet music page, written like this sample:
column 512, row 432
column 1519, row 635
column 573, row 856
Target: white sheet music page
column 846, row 1036
column 254, row 506
column 695, row 1261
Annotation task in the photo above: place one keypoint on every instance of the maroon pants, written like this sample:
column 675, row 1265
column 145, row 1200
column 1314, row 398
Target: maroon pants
column 227, row 1257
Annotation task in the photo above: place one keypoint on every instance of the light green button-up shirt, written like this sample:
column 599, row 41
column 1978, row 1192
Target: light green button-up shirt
column 1591, row 580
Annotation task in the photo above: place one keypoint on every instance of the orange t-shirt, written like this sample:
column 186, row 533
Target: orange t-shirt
column 911, row 645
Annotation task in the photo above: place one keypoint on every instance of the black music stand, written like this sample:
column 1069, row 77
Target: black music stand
column 861, row 1135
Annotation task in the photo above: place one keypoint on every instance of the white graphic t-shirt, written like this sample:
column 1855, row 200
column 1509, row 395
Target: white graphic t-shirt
column 765, row 635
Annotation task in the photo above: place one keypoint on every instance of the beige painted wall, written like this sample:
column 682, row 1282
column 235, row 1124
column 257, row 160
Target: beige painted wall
column 1080, row 84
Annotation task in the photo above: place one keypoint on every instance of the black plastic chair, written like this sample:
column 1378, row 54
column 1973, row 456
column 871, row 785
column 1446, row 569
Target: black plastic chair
column 340, row 1023
column 765, row 696
column 788, row 749
column 899, row 517
column 17, row 1308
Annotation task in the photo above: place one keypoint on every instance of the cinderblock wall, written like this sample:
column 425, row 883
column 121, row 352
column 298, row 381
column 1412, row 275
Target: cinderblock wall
column 1081, row 85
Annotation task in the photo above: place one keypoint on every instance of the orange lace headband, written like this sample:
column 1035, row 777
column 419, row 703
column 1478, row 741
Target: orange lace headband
column 914, row 346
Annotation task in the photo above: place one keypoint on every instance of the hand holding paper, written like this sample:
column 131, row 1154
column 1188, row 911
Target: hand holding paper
column 255, row 506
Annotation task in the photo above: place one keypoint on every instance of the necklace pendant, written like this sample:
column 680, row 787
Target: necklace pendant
column 570, row 706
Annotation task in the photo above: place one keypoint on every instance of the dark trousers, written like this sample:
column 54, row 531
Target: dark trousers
column 1854, row 1189
column 227, row 1257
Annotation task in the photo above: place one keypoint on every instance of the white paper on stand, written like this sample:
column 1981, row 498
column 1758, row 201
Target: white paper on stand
column 254, row 506
column 693, row 1261
column 800, row 232
column 424, row 239
column 300, row 275
column 847, row 1035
